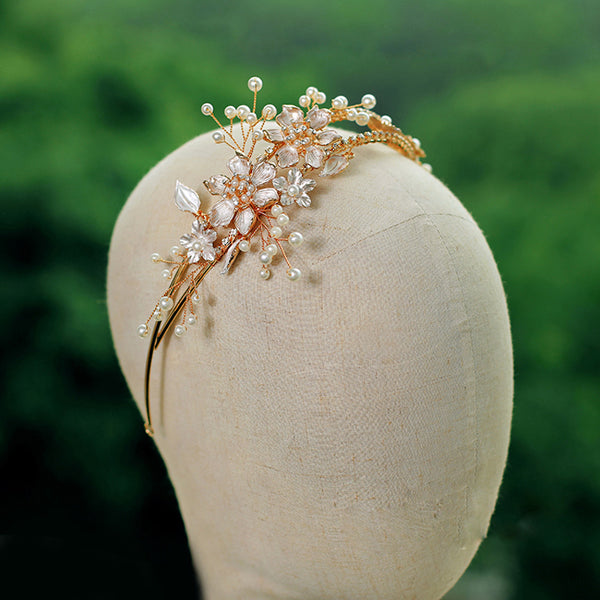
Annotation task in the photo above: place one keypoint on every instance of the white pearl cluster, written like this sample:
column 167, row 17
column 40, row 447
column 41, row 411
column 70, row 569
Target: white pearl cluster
column 314, row 94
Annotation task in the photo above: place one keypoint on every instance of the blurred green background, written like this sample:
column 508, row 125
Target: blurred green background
column 505, row 97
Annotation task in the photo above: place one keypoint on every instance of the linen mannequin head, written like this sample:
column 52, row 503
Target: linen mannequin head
column 339, row 436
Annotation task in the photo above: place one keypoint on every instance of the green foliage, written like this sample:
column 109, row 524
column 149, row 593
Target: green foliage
column 505, row 97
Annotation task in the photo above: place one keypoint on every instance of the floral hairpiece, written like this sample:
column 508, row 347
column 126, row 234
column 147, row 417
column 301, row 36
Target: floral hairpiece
column 253, row 197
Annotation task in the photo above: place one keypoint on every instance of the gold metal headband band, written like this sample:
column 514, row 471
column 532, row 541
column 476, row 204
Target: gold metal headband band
column 252, row 199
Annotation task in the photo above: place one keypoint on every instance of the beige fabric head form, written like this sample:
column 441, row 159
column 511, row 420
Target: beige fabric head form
column 338, row 437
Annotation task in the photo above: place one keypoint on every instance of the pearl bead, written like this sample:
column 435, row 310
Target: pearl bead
column 258, row 135
column 269, row 111
column 244, row 245
column 295, row 238
column 271, row 249
column 230, row 112
column 175, row 251
column 265, row 257
column 294, row 274
column 386, row 120
column 243, row 111
column 142, row 330
column 276, row 231
column 265, row 273
column 362, row 118
column 255, row 84
column 166, row 303
column 179, row 330
column 339, row 102
column 276, row 210
column 351, row 114
column 251, row 118
column 283, row 220
column 195, row 298
column 166, row 273
column 427, row 167
column 311, row 91
column 218, row 137
column 158, row 315
column 155, row 257
column 320, row 98
column 191, row 320
column 368, row 101
column 417, row 142
column 293, row 190
column 197, row 246
column 207, row 108
column 304, row 101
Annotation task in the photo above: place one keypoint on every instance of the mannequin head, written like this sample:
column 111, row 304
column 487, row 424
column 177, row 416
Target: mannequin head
column 339, row 436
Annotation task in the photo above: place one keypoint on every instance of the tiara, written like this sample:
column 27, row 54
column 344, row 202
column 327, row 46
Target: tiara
column 250, row 212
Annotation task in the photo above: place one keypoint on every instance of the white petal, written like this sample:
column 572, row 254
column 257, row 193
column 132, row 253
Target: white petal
column 216, row 184
column 280, row 183
column 328, row 136
column 265, row 196
column 230, row 257
column 287, row 156
column 186, row 198
column 193, row 256
column 307, row 185
column 244, row 220
column 186, row 240
column 289, row 114
column 208, row 253
column 303, row 200
column 263, row 172
column 314, row 156
column 333, row 165
column 286, row 200
column 294, row 176
column 318, row 117
column 239, row 164
column 274, row 135
column 222, row 213
column 210, row 235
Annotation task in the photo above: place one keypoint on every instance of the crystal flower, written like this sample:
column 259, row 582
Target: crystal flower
column 199, row 243
column 240, row 193
column 295, row 188
column 301, row 136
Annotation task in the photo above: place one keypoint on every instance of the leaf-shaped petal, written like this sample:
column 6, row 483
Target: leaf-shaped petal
column 306, row 185
column 265, row 196
column 294, row 176
column 303, row 200
column 318, row 117
column 230, row 256
column 186, row 198
column 239, row 164
column 280, row 183
column 274, row 135
column 216, row 184
column 222, row 213
column 262, row 172
column 287, row 156
column 328, row 136
column 289, row 115
column 210, row 235
column 314, row 156
column 333, row 165
column 244, row 220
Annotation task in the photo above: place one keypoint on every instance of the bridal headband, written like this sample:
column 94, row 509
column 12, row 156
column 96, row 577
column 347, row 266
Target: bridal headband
column 252, row 199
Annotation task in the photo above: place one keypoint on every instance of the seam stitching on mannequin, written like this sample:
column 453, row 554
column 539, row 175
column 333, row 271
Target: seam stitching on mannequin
column 376, row 233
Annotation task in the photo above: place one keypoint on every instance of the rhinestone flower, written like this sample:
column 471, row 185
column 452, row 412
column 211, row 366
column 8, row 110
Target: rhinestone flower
column 301, row 136
column 240, row 193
